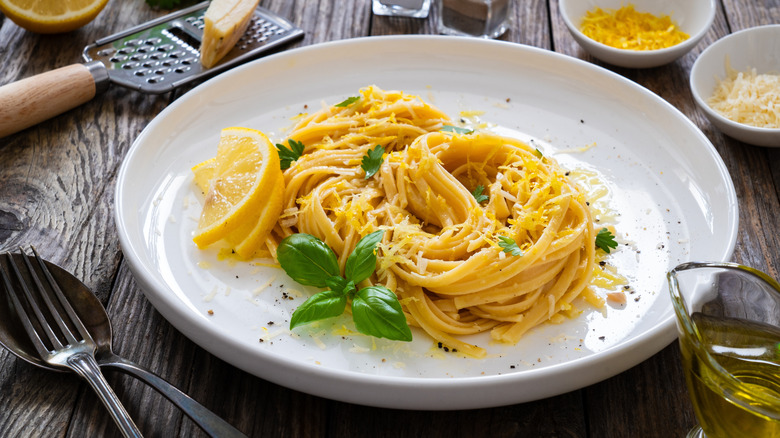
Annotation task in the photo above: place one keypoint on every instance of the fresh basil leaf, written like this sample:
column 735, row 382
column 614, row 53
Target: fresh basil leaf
column 347, row 102
column 477, row 194
column 372, row 161
column 456, row 129
column 362, row 262
column 605, row 240
column 509, row 246
column 322, row 305
column 340, row 284
column 377, row 312
column 307, row 259
column 287, row 156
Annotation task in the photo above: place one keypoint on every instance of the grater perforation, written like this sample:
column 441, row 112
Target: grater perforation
column 160, row 55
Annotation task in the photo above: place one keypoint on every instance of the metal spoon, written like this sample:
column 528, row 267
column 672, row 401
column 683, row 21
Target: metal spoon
column 94, row 316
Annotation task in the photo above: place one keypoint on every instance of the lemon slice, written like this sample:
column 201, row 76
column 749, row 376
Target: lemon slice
column 245, row 172
column 225, row 22
column 51, row 16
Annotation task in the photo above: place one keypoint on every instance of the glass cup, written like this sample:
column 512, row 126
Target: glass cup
column 728, row 318
column 401, row 8
column 477, row 18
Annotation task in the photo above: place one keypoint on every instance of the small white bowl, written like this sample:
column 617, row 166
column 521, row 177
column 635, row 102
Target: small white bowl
column 694, row 17
column 757, row 47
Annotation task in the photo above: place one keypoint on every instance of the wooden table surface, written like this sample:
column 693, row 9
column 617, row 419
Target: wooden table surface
column 56, row 192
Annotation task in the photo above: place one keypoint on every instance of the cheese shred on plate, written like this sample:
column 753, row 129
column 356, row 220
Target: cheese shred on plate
column 748, row 98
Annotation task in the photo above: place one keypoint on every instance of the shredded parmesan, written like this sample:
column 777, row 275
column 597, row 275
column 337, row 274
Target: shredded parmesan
column 748, row 98
column 262, row 287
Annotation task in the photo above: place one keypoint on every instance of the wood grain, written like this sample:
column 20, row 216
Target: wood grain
column 56, row 191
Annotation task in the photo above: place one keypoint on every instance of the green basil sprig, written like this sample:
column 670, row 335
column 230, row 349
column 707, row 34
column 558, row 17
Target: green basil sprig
column 375, row 309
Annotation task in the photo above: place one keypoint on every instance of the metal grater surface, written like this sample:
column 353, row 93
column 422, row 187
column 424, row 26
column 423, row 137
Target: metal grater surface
column 162, row 54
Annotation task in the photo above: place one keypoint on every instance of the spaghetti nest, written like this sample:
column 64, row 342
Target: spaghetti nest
column 441, row 252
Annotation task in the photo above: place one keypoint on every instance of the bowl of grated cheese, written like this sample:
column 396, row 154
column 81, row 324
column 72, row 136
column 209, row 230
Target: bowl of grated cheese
column 736, row 83
column 638, row 33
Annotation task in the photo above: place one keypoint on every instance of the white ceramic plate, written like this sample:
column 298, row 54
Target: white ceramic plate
column 675, row 199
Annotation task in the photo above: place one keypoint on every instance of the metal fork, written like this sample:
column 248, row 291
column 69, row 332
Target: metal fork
column 75, row 351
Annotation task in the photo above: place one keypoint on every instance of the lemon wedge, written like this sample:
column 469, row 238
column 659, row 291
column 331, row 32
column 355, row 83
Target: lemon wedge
column 225, row 21
column 51, row 16
column 248, row 238
column 204, row 173
column 243, row 186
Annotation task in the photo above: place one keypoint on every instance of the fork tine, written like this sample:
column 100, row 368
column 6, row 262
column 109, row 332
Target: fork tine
column 53, row 311
column 74, row 318
column 22, row 313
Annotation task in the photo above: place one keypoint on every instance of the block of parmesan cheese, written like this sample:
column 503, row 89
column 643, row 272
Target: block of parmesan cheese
column 225, row 21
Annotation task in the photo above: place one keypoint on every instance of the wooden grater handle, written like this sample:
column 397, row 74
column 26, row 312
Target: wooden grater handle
column 32, row 100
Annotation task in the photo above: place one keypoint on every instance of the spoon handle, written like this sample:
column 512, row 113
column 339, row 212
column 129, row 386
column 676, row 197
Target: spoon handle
column 85, row 365
column 210, row 422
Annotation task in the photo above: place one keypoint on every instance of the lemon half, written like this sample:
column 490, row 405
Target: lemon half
column 51, row 16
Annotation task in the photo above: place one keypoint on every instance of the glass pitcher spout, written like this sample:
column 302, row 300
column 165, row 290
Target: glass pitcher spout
column 728, row 319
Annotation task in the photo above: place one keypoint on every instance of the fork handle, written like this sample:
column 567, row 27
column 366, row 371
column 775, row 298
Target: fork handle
column 210, row 422
column 85, row 366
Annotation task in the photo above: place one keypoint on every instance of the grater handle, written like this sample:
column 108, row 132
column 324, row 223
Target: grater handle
column 32, row 100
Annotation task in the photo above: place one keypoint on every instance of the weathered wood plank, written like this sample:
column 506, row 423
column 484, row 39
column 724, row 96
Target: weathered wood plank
column 559, row 416
column 56, row 191
column 757, row 173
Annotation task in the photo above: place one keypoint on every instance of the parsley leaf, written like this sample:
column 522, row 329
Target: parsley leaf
column 538, row 153
column 509, row 246
column 456, row 129
column 347, row 102
column 477, row 194
column 287, row 156
column 605, row 240
column 372, row 160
